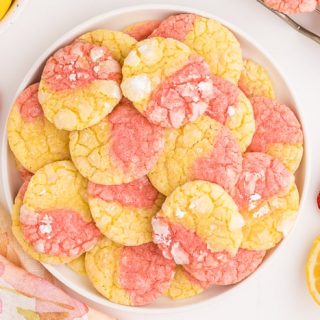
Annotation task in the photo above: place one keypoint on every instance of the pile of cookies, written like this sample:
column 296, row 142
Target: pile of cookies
column 156, row 160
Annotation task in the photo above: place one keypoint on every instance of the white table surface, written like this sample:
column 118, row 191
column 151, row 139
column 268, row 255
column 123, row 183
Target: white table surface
column 279, row 292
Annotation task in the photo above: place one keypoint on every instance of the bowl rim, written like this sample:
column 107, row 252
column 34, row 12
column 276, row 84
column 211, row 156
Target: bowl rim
column 171, row 9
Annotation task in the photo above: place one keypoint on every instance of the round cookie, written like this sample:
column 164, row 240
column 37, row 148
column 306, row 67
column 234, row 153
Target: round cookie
column 132, row 276
column 54, row 223
column 197, row 211
column 33, row 140
column 119, row 43
column 255, row 80
column 78, row 265
column 278, row 132
column 204, row 150
column 207, row 38
column 292, row 6
column 184, row 285
column 123, row 212
column 141, row 30
column 166, row 81
column 79, row 86
column 223, row 268
column 268, row 199
column 121, row 148
column 233, row 109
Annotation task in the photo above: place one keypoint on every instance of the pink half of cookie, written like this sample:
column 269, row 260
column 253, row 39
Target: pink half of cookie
column 225, row 95
column 28, row 104
column 49, row 300
column 292, row 6
column 78, row 65
column 188, row 249
column 142, row 30
column 275, row 123
column 136, row 143
column 223, row 166
column 60, row 232
column 183, row 96
column 144, row 273
column 262, row 177
column 139, row 193
column 176, row 26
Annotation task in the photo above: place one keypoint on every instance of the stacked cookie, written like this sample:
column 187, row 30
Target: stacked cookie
column 156, row 161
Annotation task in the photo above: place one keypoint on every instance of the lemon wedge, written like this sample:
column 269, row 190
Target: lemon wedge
column 4, row 7
column 313, row 270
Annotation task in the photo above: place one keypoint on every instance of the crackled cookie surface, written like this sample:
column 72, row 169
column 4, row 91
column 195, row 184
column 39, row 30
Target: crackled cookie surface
column 33, row 140
column 233, row 109
column 79, row 85
column 129, row 275
column 255, row 80
column 292, row 6
column 184, row 285
column 119, row 43
column 203, row 149
column 223, row 268
column 207, row 38
column 166, row 81
column 121, row 148
column 270, row 221
column 267, row 198
column 278, row 132
column 141, row 30
column 197, row 210
column 123, row 212
column 262, row 177
column 54, row 223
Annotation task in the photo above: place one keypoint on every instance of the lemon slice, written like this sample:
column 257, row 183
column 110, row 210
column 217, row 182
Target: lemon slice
column 4, row 7
column 313, row 270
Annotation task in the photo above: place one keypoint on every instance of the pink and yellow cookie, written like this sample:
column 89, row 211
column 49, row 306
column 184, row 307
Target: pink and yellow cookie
column 197, row 212
column 78, row 265
column 267, row 198
column 118, row 43
column 51, row 220
column 184, row 285
column 292, row 6
column 278, row 132
column 121, row 148
column 203, row 149
column 233, row 109
column 208, row 38
column 79, row 86
column 33, row 140
column 141, row 30
column 255, row 80
column 123, row 212
column 166, row 82
column 185, row 225
column 132, row 276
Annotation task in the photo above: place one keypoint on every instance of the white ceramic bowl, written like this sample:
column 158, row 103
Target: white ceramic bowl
column 13, row 13
column 117, row 20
